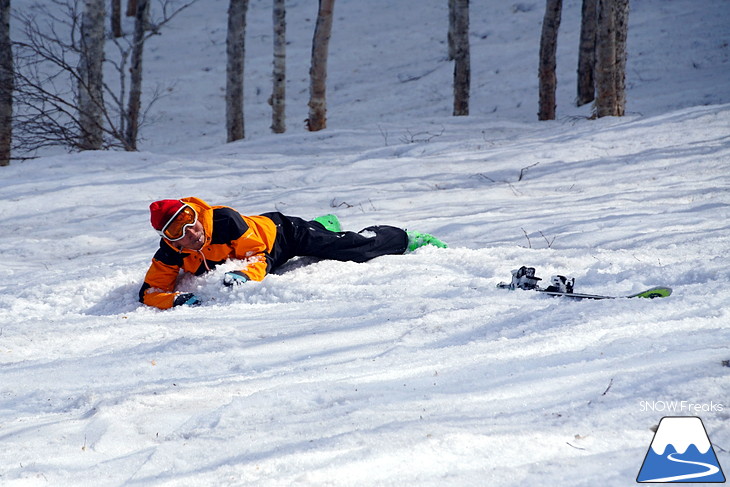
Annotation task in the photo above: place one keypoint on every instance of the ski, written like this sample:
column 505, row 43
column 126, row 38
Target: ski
column 655, row 292
column 561, row 286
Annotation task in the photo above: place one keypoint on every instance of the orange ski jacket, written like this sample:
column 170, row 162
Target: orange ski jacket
column 228, row 235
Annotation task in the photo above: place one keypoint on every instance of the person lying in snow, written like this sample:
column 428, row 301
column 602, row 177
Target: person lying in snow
column 196, row 237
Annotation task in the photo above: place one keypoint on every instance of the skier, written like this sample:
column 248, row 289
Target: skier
column 196, row 237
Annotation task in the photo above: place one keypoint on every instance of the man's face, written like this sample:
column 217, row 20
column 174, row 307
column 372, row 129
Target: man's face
column 194, row 238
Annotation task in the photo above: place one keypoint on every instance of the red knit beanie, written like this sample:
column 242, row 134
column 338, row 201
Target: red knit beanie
column 161, row 212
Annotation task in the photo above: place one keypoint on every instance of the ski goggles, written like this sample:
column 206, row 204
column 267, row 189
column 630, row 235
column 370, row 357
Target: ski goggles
column 178, row 224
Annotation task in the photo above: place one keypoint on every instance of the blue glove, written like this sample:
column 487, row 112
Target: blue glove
column 188, row 299
column 234, row 277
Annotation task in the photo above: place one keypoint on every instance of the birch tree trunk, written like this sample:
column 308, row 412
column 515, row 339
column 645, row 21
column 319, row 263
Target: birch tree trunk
column 452, row 28
column 610, row 72
column 278, row 95
column 318, row 71
column 587, row 54
column 548, row 48
column 622, row 32
column 236, row 53
column 6, row 84
column 462, row 65
column 135, row 76
column 90, row 101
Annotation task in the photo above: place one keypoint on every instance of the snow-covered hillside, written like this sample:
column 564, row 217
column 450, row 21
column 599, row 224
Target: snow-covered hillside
column 407, row 370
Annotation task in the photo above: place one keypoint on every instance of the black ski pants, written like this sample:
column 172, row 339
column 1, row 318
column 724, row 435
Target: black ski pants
column 296, row 237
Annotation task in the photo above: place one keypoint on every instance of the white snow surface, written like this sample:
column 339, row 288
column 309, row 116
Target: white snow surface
column 410, row 370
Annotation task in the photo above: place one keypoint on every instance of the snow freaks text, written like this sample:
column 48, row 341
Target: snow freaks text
column 680, row 407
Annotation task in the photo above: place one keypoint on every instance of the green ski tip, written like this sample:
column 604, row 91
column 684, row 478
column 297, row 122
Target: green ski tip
column 655, row 292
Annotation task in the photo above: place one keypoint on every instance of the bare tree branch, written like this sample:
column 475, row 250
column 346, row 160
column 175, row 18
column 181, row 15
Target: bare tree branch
column 48, row 79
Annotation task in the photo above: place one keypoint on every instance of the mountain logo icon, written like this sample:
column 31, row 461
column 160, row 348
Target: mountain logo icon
column 681, row 452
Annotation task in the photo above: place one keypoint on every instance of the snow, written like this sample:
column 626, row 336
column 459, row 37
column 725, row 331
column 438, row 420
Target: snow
column 405, row 370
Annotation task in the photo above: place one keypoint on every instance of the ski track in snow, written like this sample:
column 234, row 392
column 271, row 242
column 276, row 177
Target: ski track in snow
column 406, row 370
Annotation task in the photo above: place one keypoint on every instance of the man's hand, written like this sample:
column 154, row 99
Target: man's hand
column 234, row 278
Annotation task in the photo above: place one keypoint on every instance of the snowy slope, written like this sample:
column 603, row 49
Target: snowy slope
column 406, row 370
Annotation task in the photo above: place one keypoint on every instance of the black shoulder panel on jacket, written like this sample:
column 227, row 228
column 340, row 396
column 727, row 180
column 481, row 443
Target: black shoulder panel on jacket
column 168, row 255
column 227, row 225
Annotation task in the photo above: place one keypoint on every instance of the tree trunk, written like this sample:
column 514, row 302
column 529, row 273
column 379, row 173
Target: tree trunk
column 610, row 70
column 622, row 32
column 236, row 52
column 587, row 54
column 6, row 84
column 548, row 48
column 605, row 60
column 116, row 18
column 135, row 77
column 318, row 71
column 278, row 95
column 90, row 101
column 131, row 8
column 452, row 29
column 462, row 66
